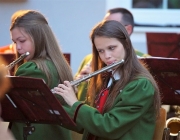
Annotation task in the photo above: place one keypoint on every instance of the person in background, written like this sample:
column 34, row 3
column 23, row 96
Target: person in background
column 31, row 33
column 123, row 105
column 125, row 17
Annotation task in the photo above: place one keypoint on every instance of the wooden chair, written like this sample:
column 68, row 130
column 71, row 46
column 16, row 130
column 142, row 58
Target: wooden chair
column 160, row 125
column 161, row 131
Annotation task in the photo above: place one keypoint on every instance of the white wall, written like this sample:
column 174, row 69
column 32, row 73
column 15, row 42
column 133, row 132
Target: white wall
column 71, row 21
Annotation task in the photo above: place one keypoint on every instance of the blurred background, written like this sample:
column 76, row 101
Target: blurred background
column 72, row 21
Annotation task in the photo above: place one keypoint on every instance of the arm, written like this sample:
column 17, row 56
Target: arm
column 84, row 69
column 130, row 106
column 140, row 54
column 30, row 69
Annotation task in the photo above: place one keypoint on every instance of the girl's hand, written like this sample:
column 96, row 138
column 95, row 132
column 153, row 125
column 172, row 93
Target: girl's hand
column 85, row 71
column 67, row 92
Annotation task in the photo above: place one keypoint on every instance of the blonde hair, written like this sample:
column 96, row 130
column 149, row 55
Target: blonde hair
column 46, row 45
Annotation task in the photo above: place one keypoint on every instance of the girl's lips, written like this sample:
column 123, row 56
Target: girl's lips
column 110, row 63
column 20, row 53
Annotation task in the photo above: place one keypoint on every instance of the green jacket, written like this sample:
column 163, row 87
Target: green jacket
column 130, row 118
column 82, row 87
column 42, row 131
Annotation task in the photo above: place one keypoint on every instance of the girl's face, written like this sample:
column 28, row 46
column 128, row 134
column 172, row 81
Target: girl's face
column 110, row 49
column 23, row 42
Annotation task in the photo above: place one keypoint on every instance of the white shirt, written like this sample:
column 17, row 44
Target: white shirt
column 116, row 76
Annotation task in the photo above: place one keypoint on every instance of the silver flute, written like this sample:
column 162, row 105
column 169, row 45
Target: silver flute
column 12, row 64
column 109, row 67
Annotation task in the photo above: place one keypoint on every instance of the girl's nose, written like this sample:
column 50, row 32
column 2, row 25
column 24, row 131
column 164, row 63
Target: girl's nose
column 107, row 54
column 18, row 46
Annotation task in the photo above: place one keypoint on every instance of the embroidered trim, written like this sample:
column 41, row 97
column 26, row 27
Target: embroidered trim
column 77, row 109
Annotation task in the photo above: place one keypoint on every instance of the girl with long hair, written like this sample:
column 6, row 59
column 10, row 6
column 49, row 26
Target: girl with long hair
column 123, row 105
column 31, row 33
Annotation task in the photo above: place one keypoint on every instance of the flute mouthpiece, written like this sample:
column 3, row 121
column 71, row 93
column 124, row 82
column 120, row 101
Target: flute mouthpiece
column 27, row 53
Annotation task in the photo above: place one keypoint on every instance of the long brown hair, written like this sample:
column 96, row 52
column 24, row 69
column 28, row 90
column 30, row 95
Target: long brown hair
column 131, row 69
column 46, row 45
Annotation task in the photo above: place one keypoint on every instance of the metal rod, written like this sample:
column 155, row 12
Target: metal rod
column 76, row 82
column 12, row 64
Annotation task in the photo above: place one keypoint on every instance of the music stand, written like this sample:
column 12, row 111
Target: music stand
column 163, row 44
column 31, row 101
column 166, row 72
column 68, row 57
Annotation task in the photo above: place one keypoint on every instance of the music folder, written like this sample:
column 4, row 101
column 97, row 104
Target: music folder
column 29, row 100
column 166, row 72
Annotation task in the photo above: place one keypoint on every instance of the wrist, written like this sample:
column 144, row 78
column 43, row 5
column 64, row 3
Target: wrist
column 73, row 102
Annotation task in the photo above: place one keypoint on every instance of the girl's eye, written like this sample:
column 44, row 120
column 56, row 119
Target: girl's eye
column 100, row 51
column 22, row 41
column 112, row 47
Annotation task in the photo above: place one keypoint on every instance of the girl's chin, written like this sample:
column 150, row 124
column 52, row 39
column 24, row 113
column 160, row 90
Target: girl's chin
column 27, row 59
